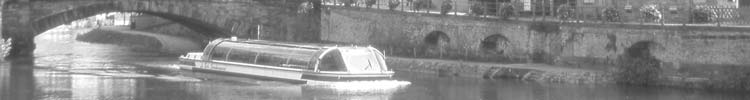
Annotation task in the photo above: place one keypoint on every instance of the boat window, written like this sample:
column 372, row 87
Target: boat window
column 239, row 55
column 296, row 63
column 269, row 55
column 332, row 62
column 270, row 59
column 361, row 60
column 219, row 53
column 380, row 57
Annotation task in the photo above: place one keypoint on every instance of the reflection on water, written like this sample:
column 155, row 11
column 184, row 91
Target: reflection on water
column 17, row 82
column 66, row 69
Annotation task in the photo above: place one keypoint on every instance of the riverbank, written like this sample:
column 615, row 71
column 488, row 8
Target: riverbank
column 529, row 72
column 140, row 40
column 544, row 73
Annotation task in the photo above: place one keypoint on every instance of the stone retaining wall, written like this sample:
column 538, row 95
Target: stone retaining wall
column 717, row 56
column 530, row 72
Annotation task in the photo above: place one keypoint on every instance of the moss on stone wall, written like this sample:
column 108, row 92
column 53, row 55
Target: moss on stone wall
column 638, row 71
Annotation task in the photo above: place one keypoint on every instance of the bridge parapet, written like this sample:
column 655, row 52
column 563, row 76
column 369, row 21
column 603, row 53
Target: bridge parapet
column 562, row 11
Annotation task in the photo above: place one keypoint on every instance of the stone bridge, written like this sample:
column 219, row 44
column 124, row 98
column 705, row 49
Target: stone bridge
column 287, row 19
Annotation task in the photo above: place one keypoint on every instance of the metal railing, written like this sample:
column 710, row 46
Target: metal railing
column 544, row 10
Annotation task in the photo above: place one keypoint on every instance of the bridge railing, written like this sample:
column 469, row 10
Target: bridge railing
column 545, row 10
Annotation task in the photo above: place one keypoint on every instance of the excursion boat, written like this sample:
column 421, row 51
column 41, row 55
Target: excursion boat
column 295, row 62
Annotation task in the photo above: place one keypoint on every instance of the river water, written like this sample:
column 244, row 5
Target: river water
column 65, row 69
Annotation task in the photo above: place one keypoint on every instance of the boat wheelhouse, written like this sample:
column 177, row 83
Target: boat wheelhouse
column 295, row 62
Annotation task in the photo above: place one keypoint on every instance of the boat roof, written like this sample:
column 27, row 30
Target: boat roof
column 291, row 44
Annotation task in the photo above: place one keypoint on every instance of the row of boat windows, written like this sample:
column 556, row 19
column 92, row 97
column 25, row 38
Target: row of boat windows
column 282, row 59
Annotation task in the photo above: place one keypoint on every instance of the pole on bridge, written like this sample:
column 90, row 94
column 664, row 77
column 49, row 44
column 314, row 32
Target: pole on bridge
column 402, row 5
column 455, row 8
column 258, row 33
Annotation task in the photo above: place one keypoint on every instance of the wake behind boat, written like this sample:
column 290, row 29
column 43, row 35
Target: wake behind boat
column 295, row 62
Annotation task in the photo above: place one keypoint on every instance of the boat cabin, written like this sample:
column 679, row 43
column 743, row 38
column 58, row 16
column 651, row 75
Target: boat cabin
column 280, row 59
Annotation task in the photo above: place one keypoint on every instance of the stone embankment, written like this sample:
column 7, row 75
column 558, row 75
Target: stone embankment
column 663, row 55
column 558, row 74
column 529, row 72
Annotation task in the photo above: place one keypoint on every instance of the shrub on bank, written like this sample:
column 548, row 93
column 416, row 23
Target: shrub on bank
column 650, row 13
column 392, row 4
column 477, row 9
column 348, row 3
column 422, row 4
column 565, row 12
column 506, row 11
column 446, row 7
column 702, row 15
column 369, row 3
column 611, row 15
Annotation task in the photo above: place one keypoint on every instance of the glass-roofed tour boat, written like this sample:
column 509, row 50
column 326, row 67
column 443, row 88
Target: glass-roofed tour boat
column 295, row 62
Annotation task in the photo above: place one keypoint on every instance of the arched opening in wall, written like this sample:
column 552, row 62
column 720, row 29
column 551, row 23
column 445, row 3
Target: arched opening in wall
column 434, row 44
column 638, row 65
column 495, row 43
column 436, row 38
column 641, row 49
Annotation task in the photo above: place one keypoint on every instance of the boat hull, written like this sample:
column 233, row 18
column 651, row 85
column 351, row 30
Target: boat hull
column 282, row 74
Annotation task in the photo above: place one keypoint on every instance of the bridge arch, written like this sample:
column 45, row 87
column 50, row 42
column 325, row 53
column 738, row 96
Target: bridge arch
column 495, row 43
column 638, row 64
column 436, row 38
column 44, row 23
column 642, row 49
